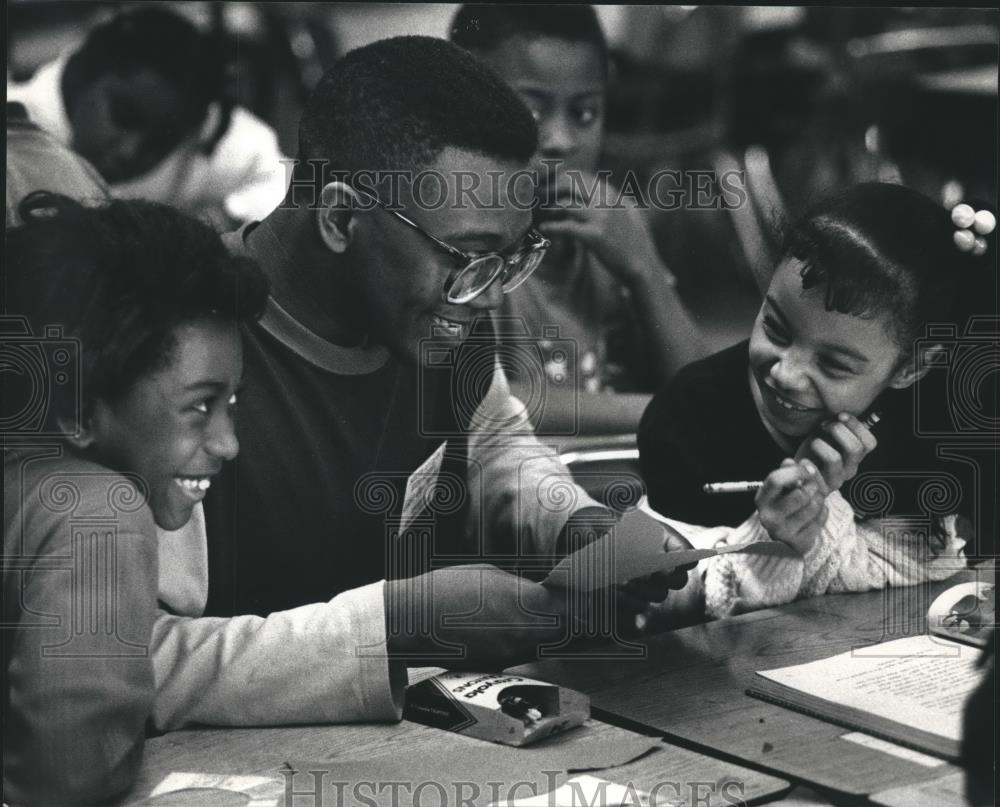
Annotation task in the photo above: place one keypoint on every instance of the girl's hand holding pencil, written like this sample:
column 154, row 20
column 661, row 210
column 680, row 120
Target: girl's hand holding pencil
column 792, row 504
column 854, row 439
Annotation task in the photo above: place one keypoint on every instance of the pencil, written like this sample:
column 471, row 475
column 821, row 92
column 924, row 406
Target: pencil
column 752, row 487
column 731, row 487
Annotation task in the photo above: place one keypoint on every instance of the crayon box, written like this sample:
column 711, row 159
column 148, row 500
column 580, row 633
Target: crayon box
column 508, row 709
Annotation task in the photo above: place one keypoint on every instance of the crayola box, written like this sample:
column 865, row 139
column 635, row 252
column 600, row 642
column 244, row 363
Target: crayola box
column 506, row 709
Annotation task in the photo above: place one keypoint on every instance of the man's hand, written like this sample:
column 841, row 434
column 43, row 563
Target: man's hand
column 645, row 617
column 474, row 616
column 792, row 504
column 838, row 449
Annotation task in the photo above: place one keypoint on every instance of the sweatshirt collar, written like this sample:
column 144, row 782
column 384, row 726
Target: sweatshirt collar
column 280, row 324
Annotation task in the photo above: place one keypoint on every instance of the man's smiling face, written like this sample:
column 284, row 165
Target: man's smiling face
column 401, row 276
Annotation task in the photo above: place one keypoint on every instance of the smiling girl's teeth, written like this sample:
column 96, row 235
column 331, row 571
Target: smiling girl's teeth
column 194, row 484
column 786, row 405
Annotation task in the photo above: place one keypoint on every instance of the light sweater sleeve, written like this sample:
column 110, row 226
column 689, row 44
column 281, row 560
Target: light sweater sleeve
column 319, row 663
column 518, row 486
column 847, row 556
column 79, row 678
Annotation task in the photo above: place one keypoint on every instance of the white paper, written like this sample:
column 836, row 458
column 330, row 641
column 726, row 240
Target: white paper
column 634, row 549
column 911, row 681
column 418, row 487
column 895, row 750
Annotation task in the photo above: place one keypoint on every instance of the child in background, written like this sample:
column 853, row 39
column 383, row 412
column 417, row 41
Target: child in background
column 602, row 281
column 149, row 302
column 864, row 273
column 145, row 99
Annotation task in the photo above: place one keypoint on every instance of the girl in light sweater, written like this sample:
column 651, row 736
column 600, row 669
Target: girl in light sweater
column 123, row 356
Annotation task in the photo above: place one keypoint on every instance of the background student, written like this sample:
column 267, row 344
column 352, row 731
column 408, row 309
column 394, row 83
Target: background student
column 602, row 282
column 145, row 100
column 37, row 161
column 838, row 336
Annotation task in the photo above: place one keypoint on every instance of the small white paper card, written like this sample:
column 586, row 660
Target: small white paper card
column 420, row 483
column 634, row 549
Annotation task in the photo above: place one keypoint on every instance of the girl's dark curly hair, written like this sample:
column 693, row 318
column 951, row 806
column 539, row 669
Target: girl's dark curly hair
column 882, row 248
column 118, row 279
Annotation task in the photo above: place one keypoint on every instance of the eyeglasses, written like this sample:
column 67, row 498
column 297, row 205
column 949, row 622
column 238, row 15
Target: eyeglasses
column 479, row 271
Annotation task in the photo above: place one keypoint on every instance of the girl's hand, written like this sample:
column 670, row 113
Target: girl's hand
column 792, row 504
column 838, row 449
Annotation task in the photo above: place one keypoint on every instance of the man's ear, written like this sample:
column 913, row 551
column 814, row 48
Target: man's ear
column 910, row 373
column 336, row 216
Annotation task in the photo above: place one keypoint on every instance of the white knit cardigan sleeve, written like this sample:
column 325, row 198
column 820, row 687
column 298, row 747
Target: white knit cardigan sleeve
column 848, row 556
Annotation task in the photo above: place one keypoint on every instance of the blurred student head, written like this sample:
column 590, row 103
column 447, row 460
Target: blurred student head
column 556, row 58
column 138, row 85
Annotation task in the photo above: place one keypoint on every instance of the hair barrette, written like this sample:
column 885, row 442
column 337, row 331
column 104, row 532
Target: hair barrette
column 973, row 226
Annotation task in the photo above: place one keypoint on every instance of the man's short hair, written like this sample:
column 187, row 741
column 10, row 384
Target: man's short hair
column 482, row 28
column 395, row 104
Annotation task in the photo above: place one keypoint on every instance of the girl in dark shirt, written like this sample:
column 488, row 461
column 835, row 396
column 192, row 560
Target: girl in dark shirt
column 840, row 334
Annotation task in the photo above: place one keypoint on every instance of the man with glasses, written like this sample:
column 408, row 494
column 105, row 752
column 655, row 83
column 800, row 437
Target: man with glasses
column 478, row 272
column 386, row 474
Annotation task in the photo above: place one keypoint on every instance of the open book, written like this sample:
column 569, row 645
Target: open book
column 910, row 691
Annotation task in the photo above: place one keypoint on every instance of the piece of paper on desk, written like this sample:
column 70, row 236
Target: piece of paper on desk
column 585, row 791
column 215, row 790
column 635, row 549
column 699, row 536
column 910, row 690
column 946, row 791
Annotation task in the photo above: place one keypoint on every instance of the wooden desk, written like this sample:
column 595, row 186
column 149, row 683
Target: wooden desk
column 691, row 687
column 701, row 779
